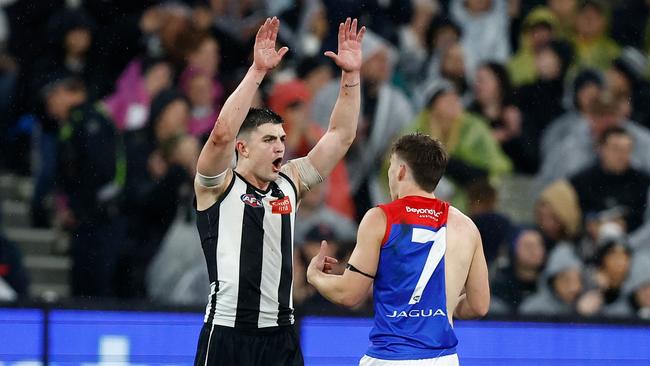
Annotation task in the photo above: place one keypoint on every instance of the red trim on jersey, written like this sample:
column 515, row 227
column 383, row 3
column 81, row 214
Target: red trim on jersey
column 415, row 210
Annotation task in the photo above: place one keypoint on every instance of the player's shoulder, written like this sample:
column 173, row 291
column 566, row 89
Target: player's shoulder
column 460, row 223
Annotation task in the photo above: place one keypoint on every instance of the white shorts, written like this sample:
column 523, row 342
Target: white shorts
column 449, row 360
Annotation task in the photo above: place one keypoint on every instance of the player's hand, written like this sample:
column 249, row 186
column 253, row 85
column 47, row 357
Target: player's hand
column 265, row 57
column 348, row 57
column 321, row 263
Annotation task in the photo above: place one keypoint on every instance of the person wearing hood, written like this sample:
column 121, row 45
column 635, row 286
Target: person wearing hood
column 587, row 85
column 485, row 26
column 635, row 302
column 474, row 152
column 593, row 46
column 557, row 213
column 626, row 76
column 539, row 28
column 385, row 111
column 291, row 100
column 560, row 286
column 161, row 159
column 516, row 281
column 541, row 102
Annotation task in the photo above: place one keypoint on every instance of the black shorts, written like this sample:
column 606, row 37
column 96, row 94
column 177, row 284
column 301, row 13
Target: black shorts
column 277, row 346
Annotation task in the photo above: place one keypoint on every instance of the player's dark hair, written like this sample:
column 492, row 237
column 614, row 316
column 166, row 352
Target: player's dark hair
column 425, row 156
column 257, row 117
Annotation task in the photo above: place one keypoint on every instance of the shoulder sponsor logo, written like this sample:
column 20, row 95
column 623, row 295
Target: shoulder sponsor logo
column 416, row 313
column 251, row 200
column 424, row 211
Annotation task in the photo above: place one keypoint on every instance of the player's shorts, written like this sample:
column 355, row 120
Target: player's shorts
column 449, row 360
column 277, row 346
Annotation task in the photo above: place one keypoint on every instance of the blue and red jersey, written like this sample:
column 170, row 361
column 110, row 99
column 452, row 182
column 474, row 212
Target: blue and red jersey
column 409, row 290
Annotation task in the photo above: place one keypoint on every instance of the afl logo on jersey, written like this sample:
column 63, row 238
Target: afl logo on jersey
column 251, row 200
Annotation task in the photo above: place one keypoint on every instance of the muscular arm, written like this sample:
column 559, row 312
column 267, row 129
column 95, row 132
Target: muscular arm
column 351, row 288
column 218, row 151
column 342, row 129
column 475, row 301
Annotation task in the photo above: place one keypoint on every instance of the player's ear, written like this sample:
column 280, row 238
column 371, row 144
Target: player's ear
column 242, row 148
column 401, row 174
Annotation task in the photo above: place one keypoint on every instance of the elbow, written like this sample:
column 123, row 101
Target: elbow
column 220, row 135
column 481, row 307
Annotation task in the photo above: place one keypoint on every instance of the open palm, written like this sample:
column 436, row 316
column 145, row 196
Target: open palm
column 265, row 57
column 349, row 52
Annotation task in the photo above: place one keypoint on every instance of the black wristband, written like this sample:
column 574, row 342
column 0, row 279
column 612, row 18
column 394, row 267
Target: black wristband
column 355, row 269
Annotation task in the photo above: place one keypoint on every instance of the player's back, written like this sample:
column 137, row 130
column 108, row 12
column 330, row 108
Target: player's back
column 410, row 290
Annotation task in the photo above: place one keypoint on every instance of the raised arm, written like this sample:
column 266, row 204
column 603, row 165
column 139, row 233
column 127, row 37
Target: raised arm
column 352, row 287
column 218, row 151
column 343, row 123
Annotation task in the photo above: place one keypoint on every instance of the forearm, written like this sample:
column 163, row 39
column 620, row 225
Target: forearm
column 217, row 152
column 345, row 115
column 332, row 287
column 464, row 309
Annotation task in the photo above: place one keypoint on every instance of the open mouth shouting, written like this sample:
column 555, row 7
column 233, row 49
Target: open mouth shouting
column 277, row 164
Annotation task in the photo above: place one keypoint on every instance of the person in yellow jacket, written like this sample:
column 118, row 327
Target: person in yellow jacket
column 474, row 153
column 594, row 48
column 539, row 28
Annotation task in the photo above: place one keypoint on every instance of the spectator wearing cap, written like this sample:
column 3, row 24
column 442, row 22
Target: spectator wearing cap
column 611, row 264
column 626, row 77
column 485, row 28
column 541, row 102
column 612, row 182
column 587, row 85
column 560, row 287
column 578, row 149
column 292, row 101
column 385, row 111
column 161, row 159
column 593, row 46
column 539, row 28
column 557, row 214
column 519, row 279
column 635, row 302
column 474, row 153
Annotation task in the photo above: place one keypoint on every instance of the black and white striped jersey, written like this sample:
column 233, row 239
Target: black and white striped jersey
column 247, row 239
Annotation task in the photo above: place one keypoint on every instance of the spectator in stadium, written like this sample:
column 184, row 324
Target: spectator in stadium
column 441, row 34
column 493, row 101
column 314, row 211
column 91, row 172
column 385, row 111
column 561, row 285
column 305, row 27
column 626, row 76
column 292, row 101
column 485, row 28
column 495, row 228
column 136, row 87
column 519, row 279
column 474, row 152
column 587, row 85
column 14, row 279
column 593, row 46
column 539, row 28
column 161, row 159
column 565, row 12
column 315, row 72
column 611, row 264
column 577, row 150
column 557, row 214
column 612, row 182
column 635, row 302
column 541, row 102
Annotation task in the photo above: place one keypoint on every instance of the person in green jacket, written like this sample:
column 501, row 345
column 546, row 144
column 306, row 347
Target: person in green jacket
column 474, row 152
column 594, row 48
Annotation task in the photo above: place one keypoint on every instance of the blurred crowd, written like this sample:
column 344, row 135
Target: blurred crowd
column 106, row 105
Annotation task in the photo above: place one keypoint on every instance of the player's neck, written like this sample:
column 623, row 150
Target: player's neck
column 252, row 179
column 411, row 190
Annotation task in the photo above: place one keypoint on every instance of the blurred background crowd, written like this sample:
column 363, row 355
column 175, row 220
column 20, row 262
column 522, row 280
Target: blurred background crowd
column 544, row 107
